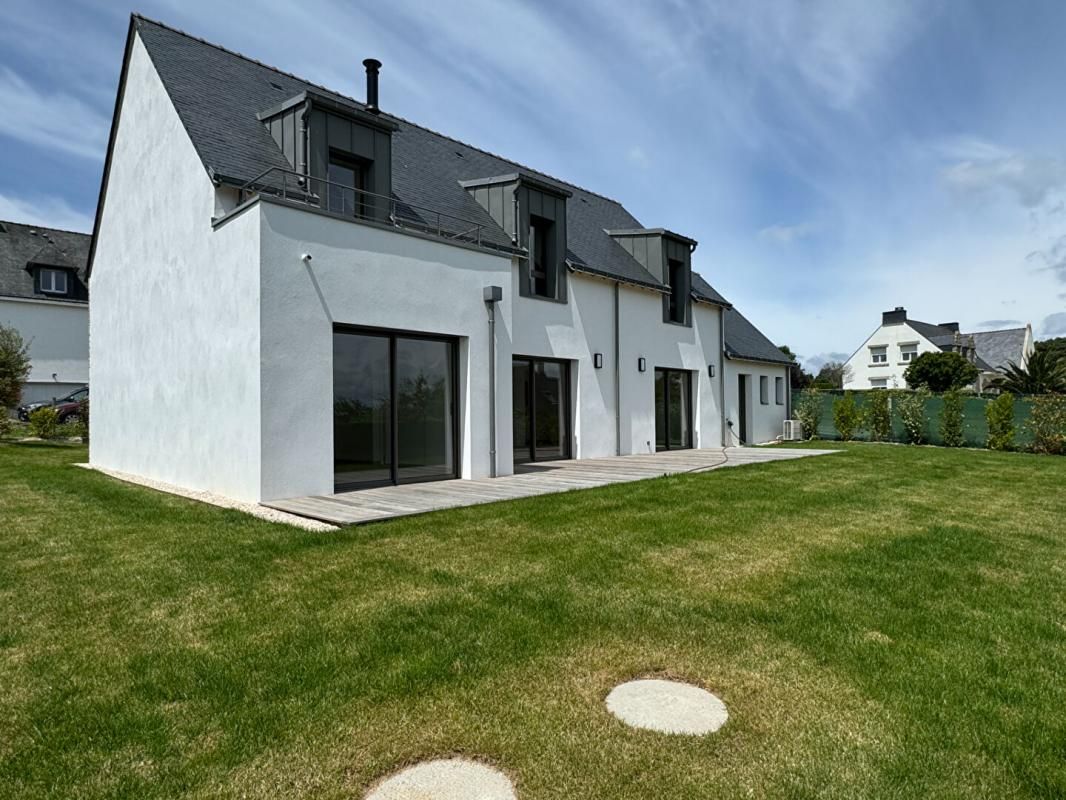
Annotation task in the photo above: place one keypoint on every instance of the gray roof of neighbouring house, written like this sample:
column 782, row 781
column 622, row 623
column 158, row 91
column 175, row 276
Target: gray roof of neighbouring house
column 746, row 342
column 218, row 93
column 22, row 245
column 995, row 349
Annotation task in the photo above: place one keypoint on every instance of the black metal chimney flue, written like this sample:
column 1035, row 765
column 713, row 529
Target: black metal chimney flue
column 372, row 66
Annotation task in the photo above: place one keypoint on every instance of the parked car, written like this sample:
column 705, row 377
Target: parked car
column 67, row 407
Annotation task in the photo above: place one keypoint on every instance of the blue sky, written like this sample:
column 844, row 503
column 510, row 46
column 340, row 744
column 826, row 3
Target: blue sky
column 834, row 159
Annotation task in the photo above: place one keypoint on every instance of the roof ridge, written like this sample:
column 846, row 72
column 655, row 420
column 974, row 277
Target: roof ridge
column 996, row 330
column 295, row 77
column 42, row 227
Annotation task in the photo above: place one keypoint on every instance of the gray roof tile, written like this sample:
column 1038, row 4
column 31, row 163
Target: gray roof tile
column 22, row 245
column 744, row 341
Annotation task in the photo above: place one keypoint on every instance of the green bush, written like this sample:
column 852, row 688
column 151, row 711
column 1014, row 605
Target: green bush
column 6, row 423
column 14, row 367
column 1047, row 424
column 951, row 419
column 877, row 415
column 940, row 372
column 1000, row 416
column 911, row 408
column 73, row 428
column 809, row 412
column 847, row 417
column 44, row 422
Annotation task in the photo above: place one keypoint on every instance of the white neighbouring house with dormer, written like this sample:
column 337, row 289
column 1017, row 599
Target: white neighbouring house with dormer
column 885, row 355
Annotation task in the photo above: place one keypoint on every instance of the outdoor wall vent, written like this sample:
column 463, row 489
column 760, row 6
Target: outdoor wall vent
column 597, row 360
column 642, row 365
column 710, row 370
column 373, row 66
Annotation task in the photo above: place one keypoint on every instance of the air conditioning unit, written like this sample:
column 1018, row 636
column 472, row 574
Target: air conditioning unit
column 793, row 431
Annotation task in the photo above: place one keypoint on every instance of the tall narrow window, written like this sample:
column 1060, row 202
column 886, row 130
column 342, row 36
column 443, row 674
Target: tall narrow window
column 678, row 310
column 347, row 185
column 779, row 391
column 53, row 281
column 541, row 257
column 764, row 390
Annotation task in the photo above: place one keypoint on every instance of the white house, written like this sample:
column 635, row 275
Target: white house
column 43, row 295
column 296, row 293
column 757, row 386
column 882, row 359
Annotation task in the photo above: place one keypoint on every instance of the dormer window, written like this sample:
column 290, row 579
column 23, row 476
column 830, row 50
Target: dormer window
column 543, row 269
column 347, row 185
column 52, row 281
column 677, row 308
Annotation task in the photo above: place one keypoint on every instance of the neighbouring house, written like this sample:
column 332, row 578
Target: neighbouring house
column 44, row 296
column 882, row 359
column 296, row 293
column 757, row 392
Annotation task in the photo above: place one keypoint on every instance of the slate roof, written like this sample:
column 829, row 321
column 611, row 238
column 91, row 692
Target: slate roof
column 1000, row 348
column 746, row 342
column 703, row 291
column 22, row 245
column 995, row 349
column 218, row 93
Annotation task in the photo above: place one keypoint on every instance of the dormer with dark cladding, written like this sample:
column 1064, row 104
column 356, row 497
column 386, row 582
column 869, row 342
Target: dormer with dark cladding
column 667, row 256
column 345, row 151
column 533, row 212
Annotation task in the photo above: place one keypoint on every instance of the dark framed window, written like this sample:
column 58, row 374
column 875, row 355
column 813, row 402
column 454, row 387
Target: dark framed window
column 53, row 281
column 673, row 409
column 346, row 187
column 395, row 401
column 540, row 393
column 677, row 310
column 764, row 390
column 542, row 266
column 779, row 391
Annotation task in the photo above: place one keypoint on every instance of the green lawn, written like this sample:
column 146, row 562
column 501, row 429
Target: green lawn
column 884, row 622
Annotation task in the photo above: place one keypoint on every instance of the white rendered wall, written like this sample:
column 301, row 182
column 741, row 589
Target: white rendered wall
column 584, row 326
column 860, row 370
column 765, row 422
column 367, row 276
column 58, row 336
column 174, row 320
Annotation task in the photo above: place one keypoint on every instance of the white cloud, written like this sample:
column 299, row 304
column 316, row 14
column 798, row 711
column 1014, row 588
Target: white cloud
column 1054, row 324
column 997, row 324
column 1051, row 259
column 786, row 234
column 53, row 121
column 1031, row 179
column 48, row 212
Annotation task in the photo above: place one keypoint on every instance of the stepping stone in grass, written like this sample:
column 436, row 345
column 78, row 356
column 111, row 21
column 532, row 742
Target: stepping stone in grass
column 445, row 779
column 667, row 707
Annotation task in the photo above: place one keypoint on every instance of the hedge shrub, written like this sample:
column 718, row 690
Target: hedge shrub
column 1000, row 416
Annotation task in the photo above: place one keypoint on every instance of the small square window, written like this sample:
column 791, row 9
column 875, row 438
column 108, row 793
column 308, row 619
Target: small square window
column 779, row 391
column 53, row 281
column 764, row 390
column 908, row 352
column 879, row 355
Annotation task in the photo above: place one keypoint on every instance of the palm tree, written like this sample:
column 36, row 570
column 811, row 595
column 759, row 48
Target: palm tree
column 1041, row 375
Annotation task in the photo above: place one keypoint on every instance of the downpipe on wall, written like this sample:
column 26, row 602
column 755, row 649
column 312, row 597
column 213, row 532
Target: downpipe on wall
column 492, row 295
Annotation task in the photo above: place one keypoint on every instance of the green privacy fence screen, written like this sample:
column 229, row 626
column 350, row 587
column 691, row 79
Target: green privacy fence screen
column 974, row 421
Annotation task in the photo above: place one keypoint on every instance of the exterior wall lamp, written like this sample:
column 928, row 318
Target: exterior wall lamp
column 642, row 365
column 710, row 370
column 597, row 360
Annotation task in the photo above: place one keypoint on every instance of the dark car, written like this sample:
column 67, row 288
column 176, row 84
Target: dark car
column 67, row 407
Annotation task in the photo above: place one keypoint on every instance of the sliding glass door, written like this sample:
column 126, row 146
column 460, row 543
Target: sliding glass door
column 673, row 409
column 540, row 391
column 394, row 401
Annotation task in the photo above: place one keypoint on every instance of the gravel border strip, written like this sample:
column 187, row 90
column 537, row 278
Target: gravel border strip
column 256, row 510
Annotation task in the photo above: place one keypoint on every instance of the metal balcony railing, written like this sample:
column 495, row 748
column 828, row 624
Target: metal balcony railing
column 359, row 204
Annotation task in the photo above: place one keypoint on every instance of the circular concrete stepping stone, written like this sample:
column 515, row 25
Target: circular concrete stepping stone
column 445, row 779
column 667, row 707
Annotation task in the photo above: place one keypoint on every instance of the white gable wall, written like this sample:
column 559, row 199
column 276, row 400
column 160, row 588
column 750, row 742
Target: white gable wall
column 174, row 318
column 860, row 369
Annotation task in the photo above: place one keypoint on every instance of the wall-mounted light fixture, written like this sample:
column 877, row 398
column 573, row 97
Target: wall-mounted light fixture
column 597, row 360
column 642, row 365
column 710, row 370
